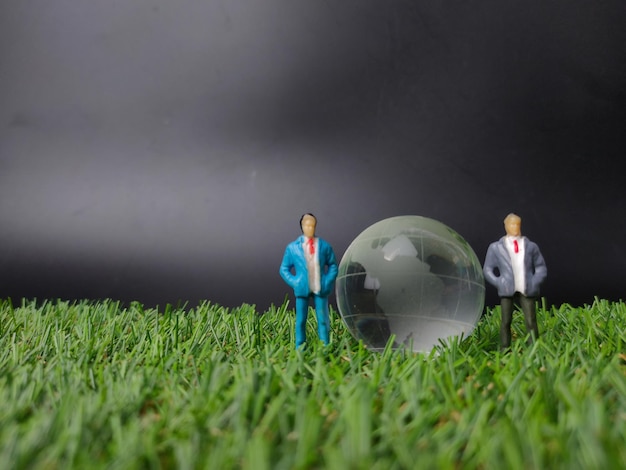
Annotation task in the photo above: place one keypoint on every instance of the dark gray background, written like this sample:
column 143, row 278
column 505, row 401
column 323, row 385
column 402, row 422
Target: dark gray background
column 164, row 151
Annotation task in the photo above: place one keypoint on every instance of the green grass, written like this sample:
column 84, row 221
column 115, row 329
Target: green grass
column 98, row 385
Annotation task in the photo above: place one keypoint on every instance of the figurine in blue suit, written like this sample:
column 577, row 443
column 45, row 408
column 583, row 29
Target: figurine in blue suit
column 515, row 266
column 309, row 267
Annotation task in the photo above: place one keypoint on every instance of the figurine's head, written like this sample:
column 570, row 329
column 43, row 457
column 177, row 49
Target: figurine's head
column 513, row 225
column 307, row 224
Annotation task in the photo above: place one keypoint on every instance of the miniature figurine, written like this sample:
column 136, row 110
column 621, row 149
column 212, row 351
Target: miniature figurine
column 309, row 267
column 515, row 266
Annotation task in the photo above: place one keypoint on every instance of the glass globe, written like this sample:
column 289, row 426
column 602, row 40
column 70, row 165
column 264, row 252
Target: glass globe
column 412, row 277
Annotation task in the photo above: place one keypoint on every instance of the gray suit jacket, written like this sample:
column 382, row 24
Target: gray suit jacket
column 498, row 259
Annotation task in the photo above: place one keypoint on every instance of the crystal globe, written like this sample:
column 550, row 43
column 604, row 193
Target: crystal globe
column 412, row 277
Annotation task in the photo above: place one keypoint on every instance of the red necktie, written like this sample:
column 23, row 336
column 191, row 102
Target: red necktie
column 311, row 246
column 515, row 246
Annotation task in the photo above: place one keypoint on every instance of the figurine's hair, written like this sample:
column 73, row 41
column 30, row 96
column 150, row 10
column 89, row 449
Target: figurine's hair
column 512, row 216
column 308, row 214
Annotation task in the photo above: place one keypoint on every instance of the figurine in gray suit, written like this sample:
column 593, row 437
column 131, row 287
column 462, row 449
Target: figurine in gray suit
column 515, row 266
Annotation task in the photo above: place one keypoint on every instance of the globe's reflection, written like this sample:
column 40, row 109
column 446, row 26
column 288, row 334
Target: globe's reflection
column 412, row 277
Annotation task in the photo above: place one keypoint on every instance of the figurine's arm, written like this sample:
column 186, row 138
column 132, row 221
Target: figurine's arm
column 329, row 269
column 491, row 263
column 539, row 264
column 332, row 266
column 285, row 269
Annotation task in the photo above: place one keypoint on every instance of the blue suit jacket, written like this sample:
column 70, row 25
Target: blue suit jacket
column 299, row 282
column 498, row 257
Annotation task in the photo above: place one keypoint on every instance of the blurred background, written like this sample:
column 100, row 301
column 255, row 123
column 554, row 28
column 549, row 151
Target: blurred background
column 164, row 151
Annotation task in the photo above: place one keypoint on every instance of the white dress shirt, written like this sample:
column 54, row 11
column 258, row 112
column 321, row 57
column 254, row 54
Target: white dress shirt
column 312, row 265
column 517, row 262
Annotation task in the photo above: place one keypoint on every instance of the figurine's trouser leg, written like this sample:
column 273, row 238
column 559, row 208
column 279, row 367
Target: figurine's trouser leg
column 530, row 316
column 302, row 311
column 506, row 306
column 323, row 323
